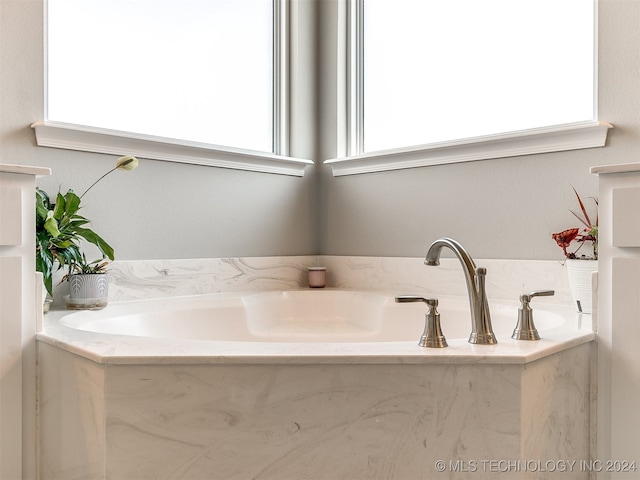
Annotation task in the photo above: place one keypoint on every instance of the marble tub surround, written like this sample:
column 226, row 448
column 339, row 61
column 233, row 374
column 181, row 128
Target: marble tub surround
column 506, row 279
column 315, row 421
column 122, row 407
column 138, row 279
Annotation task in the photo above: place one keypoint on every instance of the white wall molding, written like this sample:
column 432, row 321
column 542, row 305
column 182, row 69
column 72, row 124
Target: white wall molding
column 544, row 140
column 76, row 137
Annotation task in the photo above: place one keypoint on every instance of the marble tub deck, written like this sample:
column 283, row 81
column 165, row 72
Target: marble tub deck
column 110, row 409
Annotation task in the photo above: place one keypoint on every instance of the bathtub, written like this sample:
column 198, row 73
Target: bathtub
column 319, row 384
column 322, row 322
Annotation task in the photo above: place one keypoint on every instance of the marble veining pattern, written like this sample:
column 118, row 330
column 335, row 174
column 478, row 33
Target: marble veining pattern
column 506, row 279
column 312, row 421
column 131, row 280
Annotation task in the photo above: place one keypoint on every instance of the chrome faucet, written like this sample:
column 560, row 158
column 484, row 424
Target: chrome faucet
column 481, row 330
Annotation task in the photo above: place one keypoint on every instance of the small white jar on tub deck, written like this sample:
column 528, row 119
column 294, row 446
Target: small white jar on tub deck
column 317, row 277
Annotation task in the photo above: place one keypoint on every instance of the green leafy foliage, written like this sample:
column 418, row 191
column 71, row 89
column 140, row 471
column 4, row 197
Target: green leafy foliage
column 59, row 231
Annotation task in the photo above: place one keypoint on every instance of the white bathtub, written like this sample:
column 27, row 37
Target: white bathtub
column 307, row 316
column 303, row 323
column 319, row 384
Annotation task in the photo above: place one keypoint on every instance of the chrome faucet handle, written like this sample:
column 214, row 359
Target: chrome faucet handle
column 525, row 329
column 526, row 297
column 432, row 336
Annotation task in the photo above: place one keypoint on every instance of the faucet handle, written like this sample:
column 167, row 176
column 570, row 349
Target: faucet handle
column 526, row 297
column 432, row 302
column 432, row 336
column 525, row 329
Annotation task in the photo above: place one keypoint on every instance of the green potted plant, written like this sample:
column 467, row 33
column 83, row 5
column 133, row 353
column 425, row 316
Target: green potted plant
column 88, row 284
column 60, row 231
column 580, row 263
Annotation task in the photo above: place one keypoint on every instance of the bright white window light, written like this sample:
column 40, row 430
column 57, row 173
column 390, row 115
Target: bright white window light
column 437, row 70
column 197, row 70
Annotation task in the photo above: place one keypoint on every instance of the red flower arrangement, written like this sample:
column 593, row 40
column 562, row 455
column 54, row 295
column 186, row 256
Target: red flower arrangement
column 588, row 233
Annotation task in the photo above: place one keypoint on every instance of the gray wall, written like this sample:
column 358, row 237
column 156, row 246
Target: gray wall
column 505, row 208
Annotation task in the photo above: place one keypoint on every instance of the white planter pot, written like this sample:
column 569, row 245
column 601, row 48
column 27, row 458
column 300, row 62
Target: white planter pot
column 41, row 293
column 88, row 291
column 580, row 284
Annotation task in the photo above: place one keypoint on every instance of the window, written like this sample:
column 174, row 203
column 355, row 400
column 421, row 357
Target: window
column 432, row 72
column 426, row 81
column 186, row 69
column 194, row 81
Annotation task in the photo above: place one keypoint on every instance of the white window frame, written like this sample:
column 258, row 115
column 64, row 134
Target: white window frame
column 100, row 140
column 588, row 134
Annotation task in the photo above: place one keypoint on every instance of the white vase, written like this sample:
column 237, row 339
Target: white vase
column 42, row 294
column 580, row 283
column 88, row 291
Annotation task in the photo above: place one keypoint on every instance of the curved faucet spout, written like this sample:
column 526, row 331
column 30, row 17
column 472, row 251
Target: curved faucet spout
column 433, row 255
column 481, row 329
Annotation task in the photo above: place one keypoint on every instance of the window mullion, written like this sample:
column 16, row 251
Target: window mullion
column 281, row 38
column 355, row 62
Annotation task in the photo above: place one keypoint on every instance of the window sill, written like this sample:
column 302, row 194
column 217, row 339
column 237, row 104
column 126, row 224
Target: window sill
column 76, row 137
column 553, row 139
